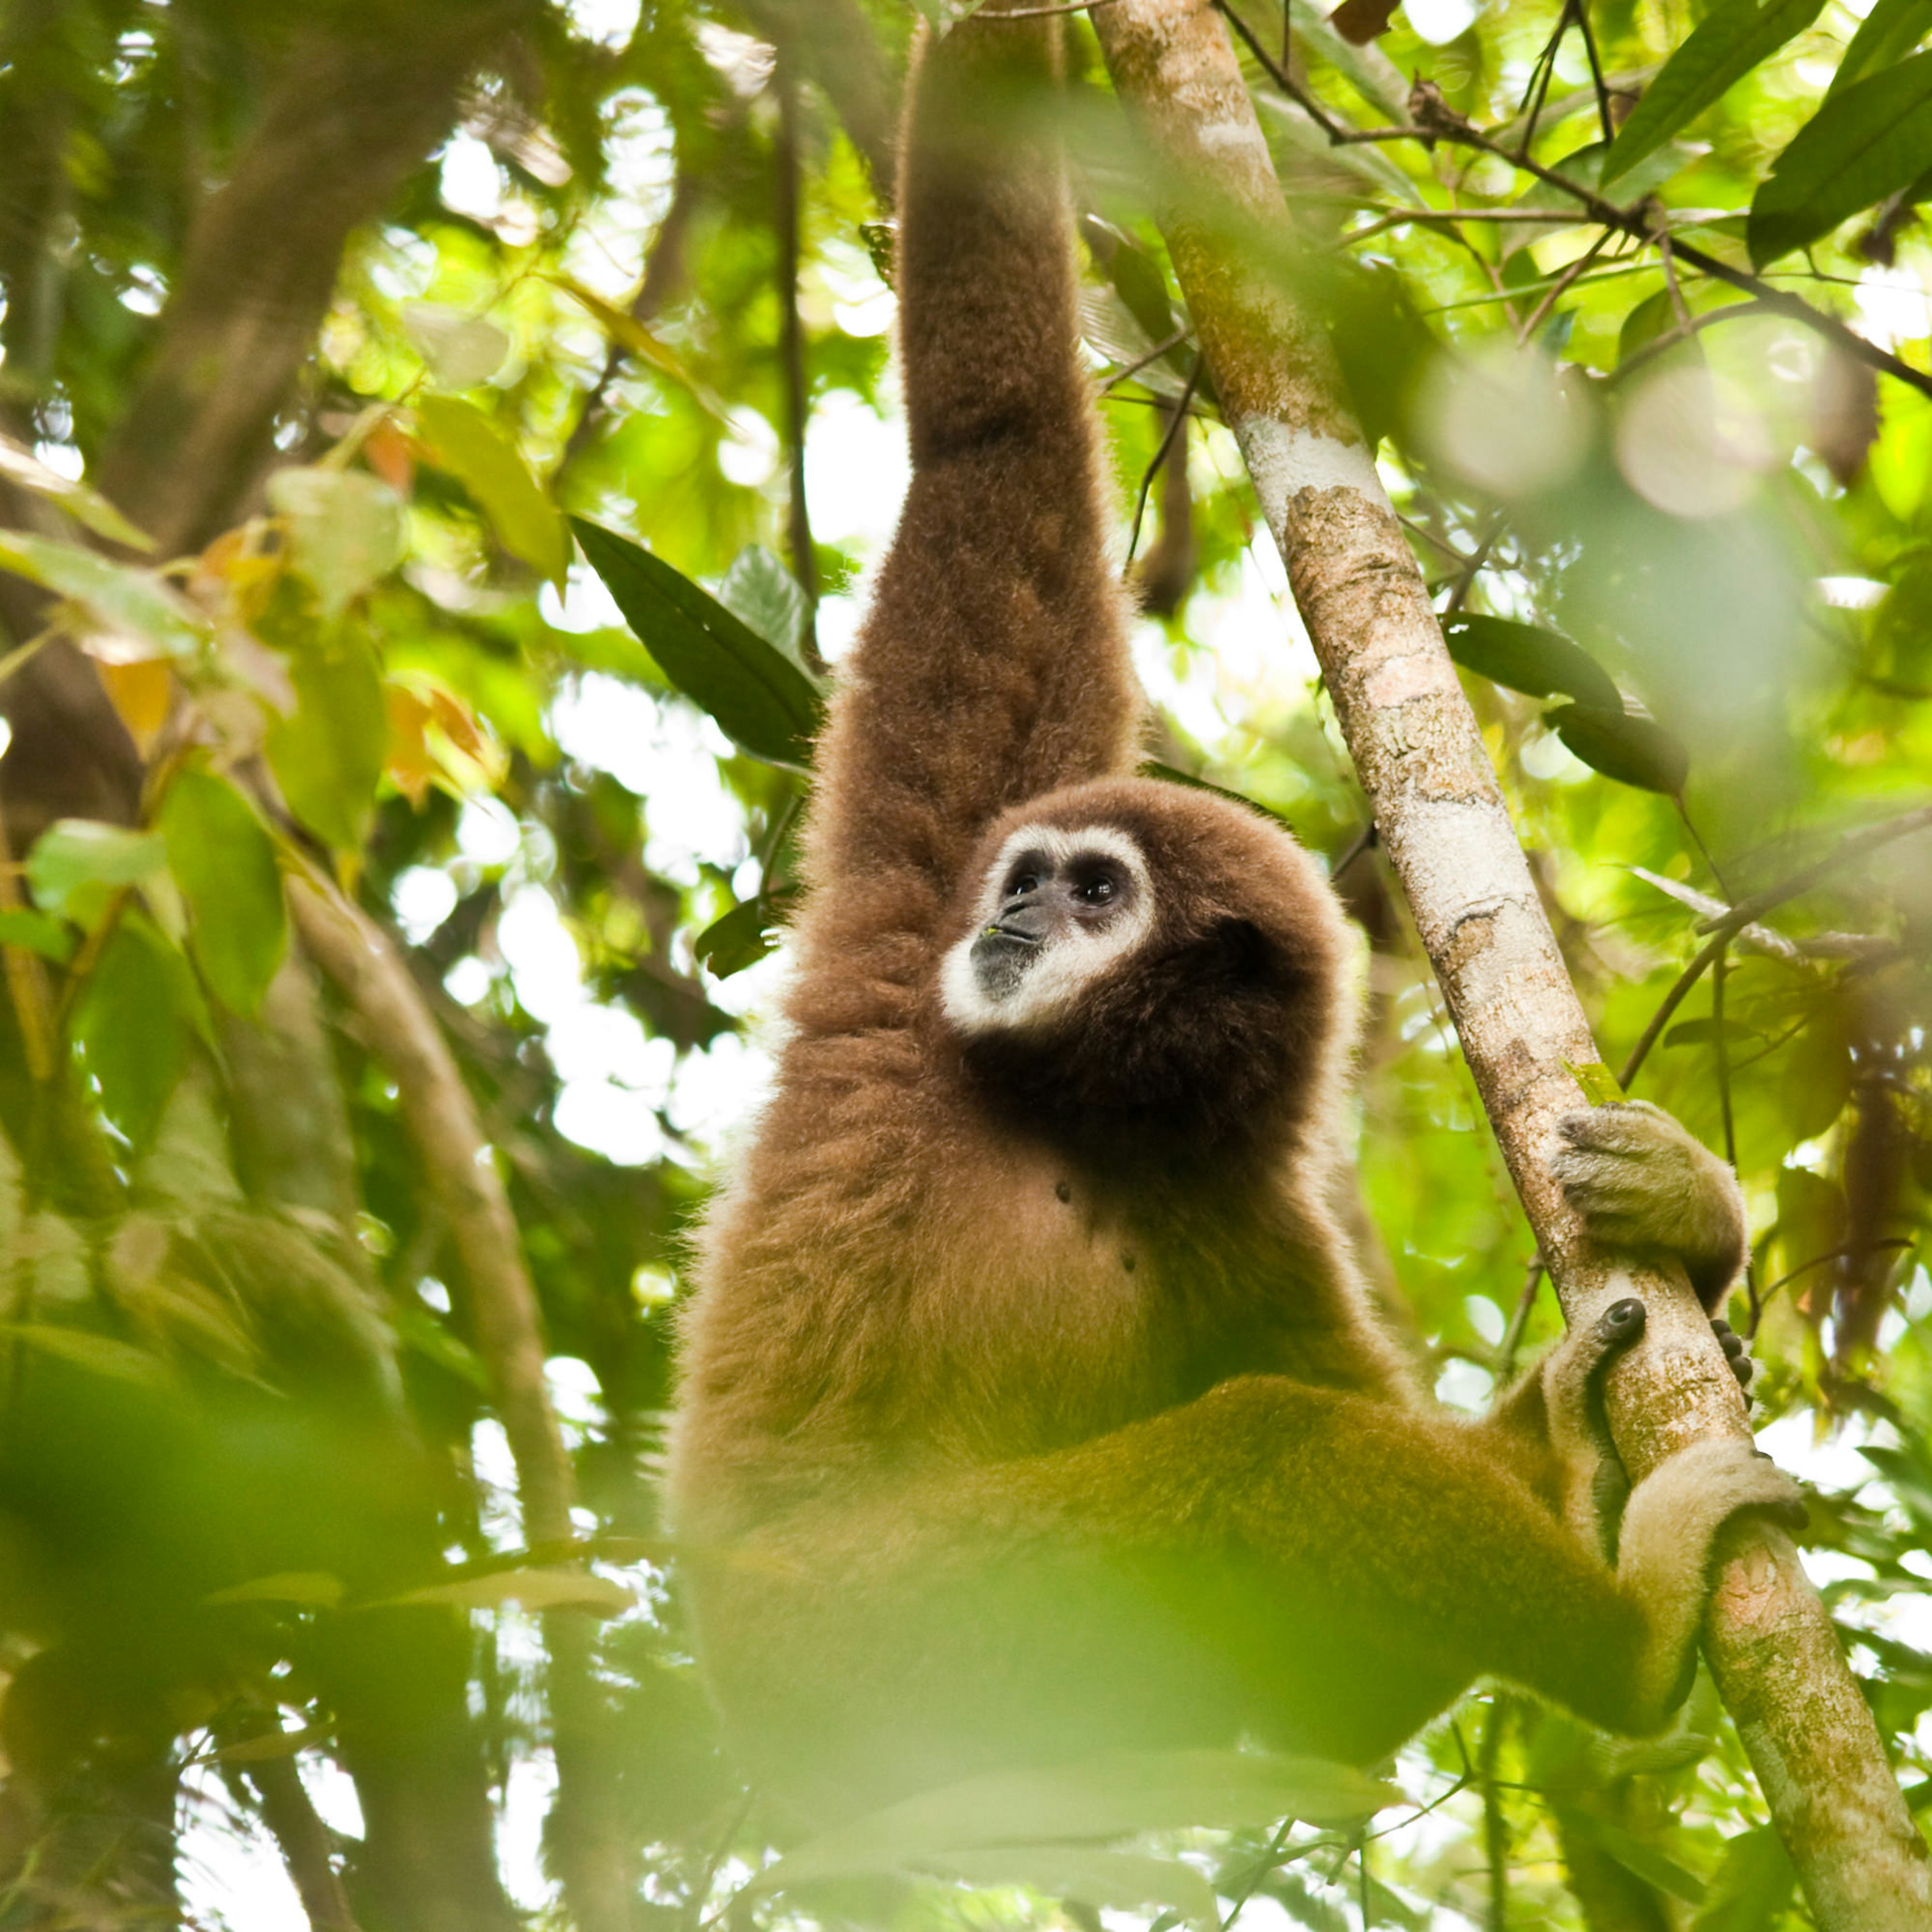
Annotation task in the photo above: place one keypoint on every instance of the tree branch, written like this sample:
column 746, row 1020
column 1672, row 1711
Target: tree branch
column 1442, row 819
column 351, row 113
column 400, row 1030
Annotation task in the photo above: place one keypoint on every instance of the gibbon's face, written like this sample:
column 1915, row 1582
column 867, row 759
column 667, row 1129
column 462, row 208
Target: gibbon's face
column 1061, row 905
column 1141, row 968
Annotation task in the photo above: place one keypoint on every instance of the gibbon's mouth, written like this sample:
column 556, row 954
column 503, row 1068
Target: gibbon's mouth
column 1001, row 956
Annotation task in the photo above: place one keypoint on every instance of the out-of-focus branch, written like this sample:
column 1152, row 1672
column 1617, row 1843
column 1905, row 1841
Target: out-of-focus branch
column 834, row 45
column 398, row 1027
column 1442, row 819
column 665, row 269
column 789, row 211
column 352, row 113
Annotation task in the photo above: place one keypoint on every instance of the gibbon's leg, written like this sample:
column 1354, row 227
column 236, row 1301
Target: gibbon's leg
column 1319, row 1568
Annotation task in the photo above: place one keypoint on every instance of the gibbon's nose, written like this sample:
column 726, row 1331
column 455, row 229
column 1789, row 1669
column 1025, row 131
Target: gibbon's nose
column 1029, row 916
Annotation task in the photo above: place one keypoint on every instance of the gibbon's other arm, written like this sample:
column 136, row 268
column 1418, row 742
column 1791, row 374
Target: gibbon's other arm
column 993, row 665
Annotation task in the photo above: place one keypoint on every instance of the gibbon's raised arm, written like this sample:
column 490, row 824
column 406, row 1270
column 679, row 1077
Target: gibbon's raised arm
column 993, row 665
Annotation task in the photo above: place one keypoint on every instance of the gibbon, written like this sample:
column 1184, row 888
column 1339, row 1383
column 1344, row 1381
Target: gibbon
column 1032, row 1404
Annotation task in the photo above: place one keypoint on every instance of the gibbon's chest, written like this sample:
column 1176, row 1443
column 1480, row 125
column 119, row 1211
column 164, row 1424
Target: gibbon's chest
column 1051, row 1320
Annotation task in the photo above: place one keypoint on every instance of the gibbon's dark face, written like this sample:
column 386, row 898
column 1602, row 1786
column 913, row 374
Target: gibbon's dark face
column 1137, row 963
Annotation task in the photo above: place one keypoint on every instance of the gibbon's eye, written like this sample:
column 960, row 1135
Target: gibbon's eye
column 1022, row 883
column 1097, row 891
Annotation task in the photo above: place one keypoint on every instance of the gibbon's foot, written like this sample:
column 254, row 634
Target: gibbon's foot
column 1643, row 1184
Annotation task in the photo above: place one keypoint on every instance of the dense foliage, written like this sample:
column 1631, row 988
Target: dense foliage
column 387, row 917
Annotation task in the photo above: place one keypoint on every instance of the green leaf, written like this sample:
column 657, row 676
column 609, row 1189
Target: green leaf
column 99, row 1355
column 464, row 441
column 1861, row 145
column 741, row 938
column 1730, row 41
column 37, row 932
column 224, row 862
column 1884, row 37
column 345, row 529
column 1116, row 1795
column 328, row 757
column 1706, row 1032
column 309, row 1589
column 763, row 700
column 131, row 1025
column 1634, row 750
column 1751, row 1887
column 1654, row 1867
column 461, row 349
column 1528, row 658
column 759, row 588
column 116, row 598
column 21, row 467
column 78, row 865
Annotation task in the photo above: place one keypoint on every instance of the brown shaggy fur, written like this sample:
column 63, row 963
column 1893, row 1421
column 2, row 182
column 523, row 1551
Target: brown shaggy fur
column 1032, row 1403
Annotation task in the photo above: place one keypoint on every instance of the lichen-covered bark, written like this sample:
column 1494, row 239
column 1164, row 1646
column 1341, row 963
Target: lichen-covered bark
column 1415, row 743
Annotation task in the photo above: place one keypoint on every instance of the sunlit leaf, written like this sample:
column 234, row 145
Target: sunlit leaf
column 122, row 600
column 1635, row 750
column 759, row 588
column 22, row 468
column 435, row 738
column 308, row 1589
column 533, row 1589
column 1730, row 40
column 328, row 756
column 224, row 862
column 143, row 695
column 1527, row 657
column 78, row 865
column 99, row 1355
column 37, row 932
column 761, row 697
column 1861, row 145
column 461, row 349
column 630, row 335
column 345, row 529
column 1885, row 36
column 464, row 441
column 1114, row 1796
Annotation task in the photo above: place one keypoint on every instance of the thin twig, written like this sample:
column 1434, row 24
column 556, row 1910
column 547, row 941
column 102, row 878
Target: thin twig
column 1160, row 455
column 1519, row 1321
column 1444, row 124
column 1041, row 13
column 792, row 352
column 1583, row 9
column 1562, row 285
column 1154, row 354
column 1836, row 1255
column 1746, row 911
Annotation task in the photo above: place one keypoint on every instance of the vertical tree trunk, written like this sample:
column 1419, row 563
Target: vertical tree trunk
column 1416, row 748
